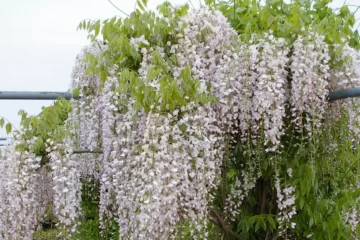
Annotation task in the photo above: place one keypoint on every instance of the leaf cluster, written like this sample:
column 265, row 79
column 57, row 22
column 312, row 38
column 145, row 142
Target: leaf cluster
column 288, row 20
column 158, row 31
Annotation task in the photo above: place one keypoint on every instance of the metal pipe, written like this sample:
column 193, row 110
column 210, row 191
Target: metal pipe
column 75, row 151
column 79, row 151
column 333, row 96
column 34, row 95
column 345, row 93
column 25, row 95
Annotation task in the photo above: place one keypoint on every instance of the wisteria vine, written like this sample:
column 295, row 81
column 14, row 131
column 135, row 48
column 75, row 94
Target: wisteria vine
column 189, row 123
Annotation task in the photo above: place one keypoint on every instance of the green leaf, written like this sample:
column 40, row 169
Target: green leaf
column 97, row 28
column 103, row 76
column 26, row 122
column 351, row 20
column 257, row 224
column 2, row 122
column 232, row 173
column 301, row 202
column 263, row 224
column 240, row 9
column 344, row 11
column 80, row 26
column 153, row 73
column 271, row 222
column 185, row 73
column 311, row 222
column 140, row 5
column 8, row 128
column 23, row 116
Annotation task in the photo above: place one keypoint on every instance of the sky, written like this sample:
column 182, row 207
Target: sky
column 39, row 43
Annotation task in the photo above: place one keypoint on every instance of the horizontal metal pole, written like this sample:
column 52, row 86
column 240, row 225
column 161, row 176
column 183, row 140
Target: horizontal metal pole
column 3, row 138
column 79, row 151
column 25, row 95
column 345, row 93
column 75, row 151
column 35, row 95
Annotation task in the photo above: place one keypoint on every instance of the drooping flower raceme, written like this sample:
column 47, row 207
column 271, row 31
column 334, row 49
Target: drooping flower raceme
column 21, row 200
column 239, row 191
column 83, row 124
column 268, row 103
column 67, row 185
column 309, row 84
column 219, row 61
column 83, row 121
column 107, row 109
column 286, row 204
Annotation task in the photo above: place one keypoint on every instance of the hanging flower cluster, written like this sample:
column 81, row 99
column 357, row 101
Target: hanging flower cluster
column 67, row 185
column 352, row 218
column 83, row 121
column 177, row 164
column 309, row 84
column 239, row 191
column 107, row 110
column 83, row 125
column 220, row 62
column 171, row 174
column 23, row 200
column 286, row 205
column 268, row 103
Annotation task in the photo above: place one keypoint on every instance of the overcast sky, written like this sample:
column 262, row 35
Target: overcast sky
column 39, row 43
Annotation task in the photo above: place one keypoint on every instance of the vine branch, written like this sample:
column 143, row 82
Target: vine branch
column 218, row 221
